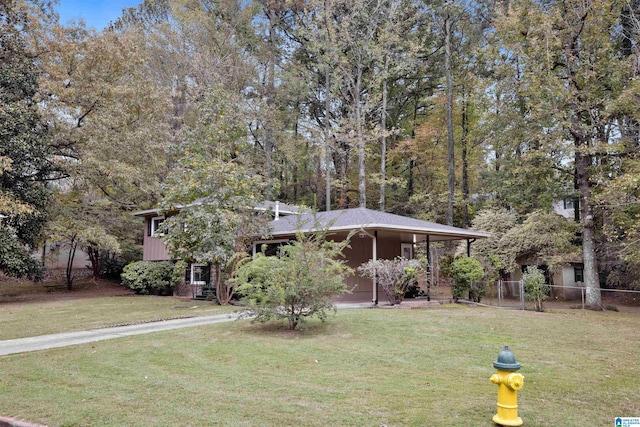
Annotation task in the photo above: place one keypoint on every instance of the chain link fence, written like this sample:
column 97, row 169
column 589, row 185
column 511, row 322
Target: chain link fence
column 511, row 294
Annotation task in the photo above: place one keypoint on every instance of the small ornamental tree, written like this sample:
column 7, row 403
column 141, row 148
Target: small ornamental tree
column 76, row 225
column 535, row 286
column 297, row 284
column 394, row 275
column 466, row 272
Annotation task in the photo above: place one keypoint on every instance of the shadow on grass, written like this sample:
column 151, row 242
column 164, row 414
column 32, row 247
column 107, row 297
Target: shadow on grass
column 280, row 328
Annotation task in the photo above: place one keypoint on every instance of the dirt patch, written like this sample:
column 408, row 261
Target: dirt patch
column 12, row 290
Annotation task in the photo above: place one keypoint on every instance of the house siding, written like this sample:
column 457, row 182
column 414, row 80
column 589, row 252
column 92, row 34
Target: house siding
column 153, row 249
column 361, row 251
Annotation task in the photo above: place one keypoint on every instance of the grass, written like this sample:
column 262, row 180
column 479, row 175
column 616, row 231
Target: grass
column 362, row 368
column 11, row 287
column 18, row 320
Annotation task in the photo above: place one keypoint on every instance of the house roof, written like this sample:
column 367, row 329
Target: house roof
column 267, row 205
column 368, row 220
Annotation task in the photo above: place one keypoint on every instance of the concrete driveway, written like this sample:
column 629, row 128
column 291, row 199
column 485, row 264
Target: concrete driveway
column 43, row 342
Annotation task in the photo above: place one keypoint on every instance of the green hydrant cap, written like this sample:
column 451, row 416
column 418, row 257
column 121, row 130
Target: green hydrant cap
column 506, row 360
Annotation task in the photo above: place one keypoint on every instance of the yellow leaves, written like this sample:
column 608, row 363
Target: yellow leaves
column 10, row 206
column 5, row 164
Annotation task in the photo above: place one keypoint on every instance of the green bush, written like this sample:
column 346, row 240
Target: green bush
column 466, row 272
column 535, row 288
column 296, row 285
column 151, row 277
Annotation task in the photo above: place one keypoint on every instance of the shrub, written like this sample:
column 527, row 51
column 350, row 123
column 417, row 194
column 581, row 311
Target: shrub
column 152, row 277
column 394, row 275
column 113, row 263
column 535, row 288
column 296, row 285
column 466, row 272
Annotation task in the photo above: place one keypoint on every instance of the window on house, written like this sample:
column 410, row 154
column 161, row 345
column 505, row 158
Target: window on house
column 155, row 225
column 406, row 250
column 578, row 274
column 198, row 274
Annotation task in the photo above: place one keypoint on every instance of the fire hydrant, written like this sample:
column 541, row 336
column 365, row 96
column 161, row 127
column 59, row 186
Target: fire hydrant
column 508, row 382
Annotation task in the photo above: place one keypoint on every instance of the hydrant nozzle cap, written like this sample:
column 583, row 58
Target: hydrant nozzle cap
column 506, row 360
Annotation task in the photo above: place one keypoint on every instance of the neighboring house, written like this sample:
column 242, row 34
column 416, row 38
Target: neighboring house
column 567, row 208
column 567, row 281
column 197, row 276
column 57, row 257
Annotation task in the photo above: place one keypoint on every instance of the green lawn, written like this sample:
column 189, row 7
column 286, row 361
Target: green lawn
column 362, row 368
column 19, row 320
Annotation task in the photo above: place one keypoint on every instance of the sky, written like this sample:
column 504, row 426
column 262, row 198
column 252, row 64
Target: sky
column 96, row 13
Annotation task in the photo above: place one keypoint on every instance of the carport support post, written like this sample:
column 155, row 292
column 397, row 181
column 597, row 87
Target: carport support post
column 469, row 248
column 428, row 268
column 375, row 276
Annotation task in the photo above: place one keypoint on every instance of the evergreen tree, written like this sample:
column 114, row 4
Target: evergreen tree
column 25, row 152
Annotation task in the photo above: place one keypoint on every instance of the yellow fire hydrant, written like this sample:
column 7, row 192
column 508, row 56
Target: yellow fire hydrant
column 508, row 382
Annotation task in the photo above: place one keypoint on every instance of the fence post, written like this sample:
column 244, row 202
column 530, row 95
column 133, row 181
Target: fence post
column 522, row 294
column 500, row 293
column 582, row 293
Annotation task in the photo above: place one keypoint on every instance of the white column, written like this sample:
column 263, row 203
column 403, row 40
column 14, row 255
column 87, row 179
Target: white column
column 375, row 258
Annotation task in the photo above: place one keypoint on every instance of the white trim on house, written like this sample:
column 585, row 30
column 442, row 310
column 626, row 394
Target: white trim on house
column 192, row 277
column 155, row 224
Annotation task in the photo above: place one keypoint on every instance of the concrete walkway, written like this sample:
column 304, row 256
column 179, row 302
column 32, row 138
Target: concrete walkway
column 44, row 342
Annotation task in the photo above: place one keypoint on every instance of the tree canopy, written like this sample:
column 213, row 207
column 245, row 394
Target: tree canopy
column 436, row 110
column 27, row 158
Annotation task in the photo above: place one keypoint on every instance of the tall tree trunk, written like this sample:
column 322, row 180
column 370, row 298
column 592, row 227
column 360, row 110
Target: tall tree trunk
column 94, row 258
column 412, row 162
column 362, row 186
column 498, row 150
column 271, row 78
column 591, row 280
column 450, row 141
column 72, row 254
column 383, row 140
column 581, row 143
column 327, row 138
column 465, row 161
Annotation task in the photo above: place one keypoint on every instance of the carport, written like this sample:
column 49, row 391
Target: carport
column 378, row 235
